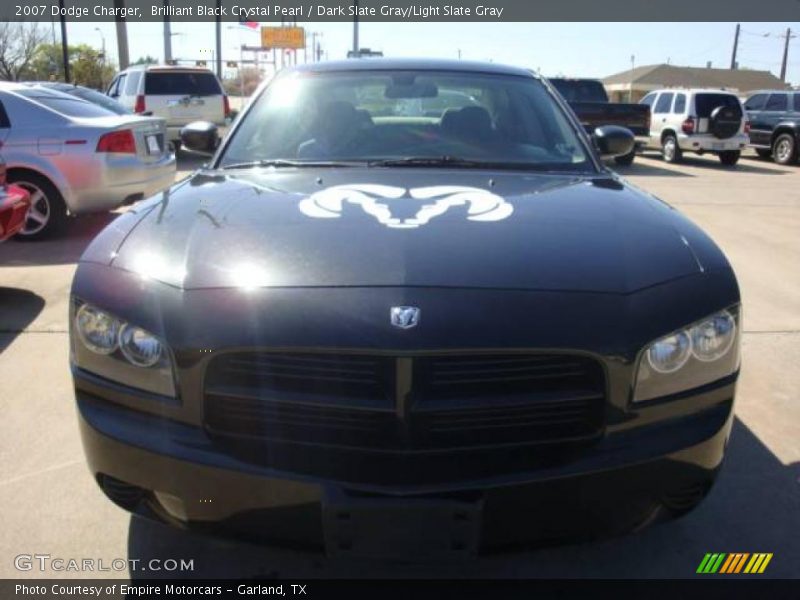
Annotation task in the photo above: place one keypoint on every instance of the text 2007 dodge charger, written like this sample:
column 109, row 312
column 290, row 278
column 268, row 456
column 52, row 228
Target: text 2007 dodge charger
column 405, row 311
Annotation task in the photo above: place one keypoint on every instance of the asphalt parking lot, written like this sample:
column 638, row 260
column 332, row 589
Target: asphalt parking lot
column 51, row 504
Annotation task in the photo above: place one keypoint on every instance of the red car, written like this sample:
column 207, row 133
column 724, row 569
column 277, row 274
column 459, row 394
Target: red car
column 14, row 205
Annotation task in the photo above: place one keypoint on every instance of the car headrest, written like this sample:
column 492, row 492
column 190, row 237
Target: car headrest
column 470, row 122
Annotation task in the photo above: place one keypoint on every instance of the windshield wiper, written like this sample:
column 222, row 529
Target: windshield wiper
column 451, row 161
column 284, row 162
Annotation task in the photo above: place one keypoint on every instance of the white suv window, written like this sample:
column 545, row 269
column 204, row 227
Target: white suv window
column 132, row 86
column 664, row 103
column 181, row 83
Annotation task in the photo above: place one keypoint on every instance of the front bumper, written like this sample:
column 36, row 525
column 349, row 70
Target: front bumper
column 613, row 485
column 709, row 143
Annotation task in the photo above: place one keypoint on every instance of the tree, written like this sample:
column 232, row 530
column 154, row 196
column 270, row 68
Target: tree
column 86, row 65
column 18, row 45
column 146, row 60
column 89, row 68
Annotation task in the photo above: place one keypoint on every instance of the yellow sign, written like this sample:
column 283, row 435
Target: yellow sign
column 283, row 37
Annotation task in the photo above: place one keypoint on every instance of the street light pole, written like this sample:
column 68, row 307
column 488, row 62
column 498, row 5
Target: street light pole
column 103, row 65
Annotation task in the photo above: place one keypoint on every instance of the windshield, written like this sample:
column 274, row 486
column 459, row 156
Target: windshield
column 488, row 120
column 99, row 99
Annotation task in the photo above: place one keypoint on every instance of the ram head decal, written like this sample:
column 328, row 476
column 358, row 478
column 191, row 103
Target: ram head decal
column 375, row 200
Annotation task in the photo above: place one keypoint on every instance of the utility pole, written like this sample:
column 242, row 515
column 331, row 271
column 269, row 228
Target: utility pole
column 630, row 93
column 355, row 27
column 218, row 20
column 64, row 46
column 122, row 36
column 735, row 46
column 789, row 36
column 167, row 34
column 315, row 46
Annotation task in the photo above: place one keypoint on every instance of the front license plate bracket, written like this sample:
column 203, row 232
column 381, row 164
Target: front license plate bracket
column 401, row 529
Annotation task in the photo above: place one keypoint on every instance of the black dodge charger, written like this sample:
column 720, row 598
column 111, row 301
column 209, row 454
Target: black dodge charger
column 405, row 311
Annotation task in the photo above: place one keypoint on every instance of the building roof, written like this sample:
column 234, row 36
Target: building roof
column 663, row 75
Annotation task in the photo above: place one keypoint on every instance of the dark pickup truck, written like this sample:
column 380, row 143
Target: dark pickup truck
column 589, row 101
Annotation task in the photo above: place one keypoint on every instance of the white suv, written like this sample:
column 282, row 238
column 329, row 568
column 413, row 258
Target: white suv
column 179, row 95
column 697, row 120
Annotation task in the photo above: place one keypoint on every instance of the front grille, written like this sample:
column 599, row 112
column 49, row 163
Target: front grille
column 325, row 375
column 410, row 404
column 503, row 375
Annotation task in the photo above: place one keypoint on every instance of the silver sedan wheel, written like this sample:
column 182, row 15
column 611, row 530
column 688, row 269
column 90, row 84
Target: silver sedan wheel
column 40, row 210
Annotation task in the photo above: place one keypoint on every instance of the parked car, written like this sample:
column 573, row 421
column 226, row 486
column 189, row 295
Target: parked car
column 75, row 157
column 465, row 324
column 85, row 93
column 14, row 205
column 589, row 100
column 699, row 121
column 179, row 95
column 775, row 124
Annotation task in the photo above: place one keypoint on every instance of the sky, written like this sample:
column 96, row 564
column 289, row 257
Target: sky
column 569, row 49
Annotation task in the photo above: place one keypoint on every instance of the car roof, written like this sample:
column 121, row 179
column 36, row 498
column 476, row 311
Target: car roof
column 167, row 68
column 695, row 91
column 11, row 86
column 754, row 92
column 412, row 64
column 55, row 85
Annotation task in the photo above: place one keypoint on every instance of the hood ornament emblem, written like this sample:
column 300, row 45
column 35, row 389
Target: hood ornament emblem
column 404, row 317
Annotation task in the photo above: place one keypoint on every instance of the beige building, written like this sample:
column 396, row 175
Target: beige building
column 633, row 84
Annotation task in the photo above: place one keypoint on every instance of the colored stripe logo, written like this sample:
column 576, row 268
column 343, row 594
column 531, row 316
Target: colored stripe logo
column 736, row 562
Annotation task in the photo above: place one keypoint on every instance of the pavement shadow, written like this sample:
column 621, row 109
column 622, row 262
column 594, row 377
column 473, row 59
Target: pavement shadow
column 189, row 160
column 648, row 168
column 754, row 507
column 712, row 163
column 18, row 309
column 66, row 248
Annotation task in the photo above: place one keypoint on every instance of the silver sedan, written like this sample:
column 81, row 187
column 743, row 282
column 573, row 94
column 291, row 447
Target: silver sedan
column 75, row 157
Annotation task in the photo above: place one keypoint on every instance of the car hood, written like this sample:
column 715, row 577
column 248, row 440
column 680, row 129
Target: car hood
column 304, row 227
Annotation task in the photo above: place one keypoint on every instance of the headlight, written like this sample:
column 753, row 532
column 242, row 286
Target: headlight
column 700, row 353
column 713, row 337
column 97, row 330
column 138, row 346
column 121, row 352
column 669, row 354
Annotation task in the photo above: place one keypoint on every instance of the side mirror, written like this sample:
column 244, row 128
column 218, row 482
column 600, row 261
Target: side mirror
column 200, row 136
column 612, row 141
